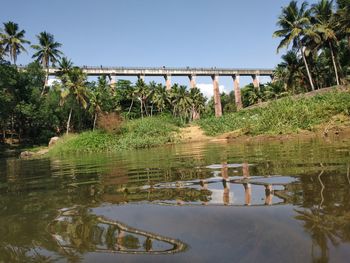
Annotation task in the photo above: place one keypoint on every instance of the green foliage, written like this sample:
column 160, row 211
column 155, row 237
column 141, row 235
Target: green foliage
column 140, row 133
column 282, row 116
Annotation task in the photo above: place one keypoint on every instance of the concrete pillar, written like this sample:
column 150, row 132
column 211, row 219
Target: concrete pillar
column 237, row 91
column 192, row 81
column 217, row 98
column 167, row 82
column 112, row 80
column 256, row 81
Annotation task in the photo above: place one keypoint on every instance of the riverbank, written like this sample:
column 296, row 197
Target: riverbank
column 324, row 114
column 290, row 115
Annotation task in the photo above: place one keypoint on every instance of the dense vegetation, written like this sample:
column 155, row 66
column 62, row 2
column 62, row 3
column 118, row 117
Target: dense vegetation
column 33, row 111
column 140, row 133
column 287, row 115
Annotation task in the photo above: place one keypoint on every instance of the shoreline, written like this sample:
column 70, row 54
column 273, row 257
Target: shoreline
column 335, row 133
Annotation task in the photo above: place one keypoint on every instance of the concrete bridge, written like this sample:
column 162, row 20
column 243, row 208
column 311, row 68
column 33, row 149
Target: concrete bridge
column 191, row 73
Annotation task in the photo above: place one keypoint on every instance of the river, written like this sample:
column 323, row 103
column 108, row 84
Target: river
column 272, row 201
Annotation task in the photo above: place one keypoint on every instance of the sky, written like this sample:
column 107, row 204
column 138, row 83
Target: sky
column 151, row 33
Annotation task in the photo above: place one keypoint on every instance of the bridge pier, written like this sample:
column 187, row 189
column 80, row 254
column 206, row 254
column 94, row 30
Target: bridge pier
column 217, row 98
column 192, row 81
column 112, row 80
column 256, row 81
column 168, row 82
column 237, row 91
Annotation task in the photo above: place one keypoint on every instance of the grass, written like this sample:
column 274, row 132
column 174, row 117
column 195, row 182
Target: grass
column 140, row 133
column 282, row 116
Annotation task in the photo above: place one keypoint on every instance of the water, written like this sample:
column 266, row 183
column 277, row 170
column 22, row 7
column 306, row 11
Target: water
column 284, row 201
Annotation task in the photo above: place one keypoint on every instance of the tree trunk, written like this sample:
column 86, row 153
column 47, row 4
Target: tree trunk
column 68, row 122
column 334, row 65
column 12, row 128
column 141, row 109
column 46, row 81
column 306, row 65
column 95, row 118
column 132, row 103
column 145, row 106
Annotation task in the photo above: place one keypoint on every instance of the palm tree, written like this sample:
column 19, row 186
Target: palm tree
column 289, row 70
column 142, row 92
column 182, row 101
column 294, row 23
column 95, row 104
column 324, row 26
column 74, row 83
column 1, row 51
column 47, row 51
column 12, row 39
column 161, row 97
column 197, row 101
column 343, row 18
column 64, row 66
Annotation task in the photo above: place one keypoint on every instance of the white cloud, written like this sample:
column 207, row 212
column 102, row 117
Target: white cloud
column 207, row 89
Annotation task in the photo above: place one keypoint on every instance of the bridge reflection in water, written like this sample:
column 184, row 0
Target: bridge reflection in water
column 213, row 187
column 75, row 230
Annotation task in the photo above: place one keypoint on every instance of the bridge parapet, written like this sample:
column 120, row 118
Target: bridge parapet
column 163, row 71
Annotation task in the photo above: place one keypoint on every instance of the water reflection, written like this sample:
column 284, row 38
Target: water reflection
column 249, row 177
column 77, row 231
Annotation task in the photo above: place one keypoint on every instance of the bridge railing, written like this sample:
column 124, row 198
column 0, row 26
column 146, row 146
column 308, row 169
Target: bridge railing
column 163, row 68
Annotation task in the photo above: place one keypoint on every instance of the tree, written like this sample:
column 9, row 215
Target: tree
column 197, row 103
column 64, row 66
column 13, row 40
column 324, row 27
column 289, row 71
column 181, row 100
column 343, row 18
column 74, row 86
column 160, row 97
column 294, row 23
column 1, row 51
column 142, row 92
column 47, row 51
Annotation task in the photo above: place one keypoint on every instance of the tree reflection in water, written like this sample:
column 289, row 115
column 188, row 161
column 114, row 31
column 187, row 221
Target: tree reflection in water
column 76, row 231
column 329, row 221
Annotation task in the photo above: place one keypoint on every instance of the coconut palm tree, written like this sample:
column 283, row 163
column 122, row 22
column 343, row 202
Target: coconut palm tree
column 13, row 40
column 198, row 103
column 325, row 27
column 47, row 51
column 142, row 92
column 182, row 101
column 95, row 104
column 1, row 51
column 289, row 71
column 161, row 97
column 294, row 23
column 64, row 66
column 74, row 85
column 343, row 18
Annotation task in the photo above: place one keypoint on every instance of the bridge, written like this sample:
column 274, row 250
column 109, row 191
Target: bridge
column 167, row 72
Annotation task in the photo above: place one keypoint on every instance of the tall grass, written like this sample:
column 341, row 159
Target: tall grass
column 140, row 133
column 282, row 116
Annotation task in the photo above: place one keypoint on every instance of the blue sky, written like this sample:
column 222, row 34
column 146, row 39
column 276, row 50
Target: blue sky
column 172, row 33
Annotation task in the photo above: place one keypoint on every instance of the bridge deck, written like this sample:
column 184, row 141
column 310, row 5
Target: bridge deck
column 163, row 71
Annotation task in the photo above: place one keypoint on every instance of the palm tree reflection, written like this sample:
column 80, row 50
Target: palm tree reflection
column 76, row 231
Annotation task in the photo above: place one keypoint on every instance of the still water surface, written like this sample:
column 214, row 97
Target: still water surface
column 223, row 202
